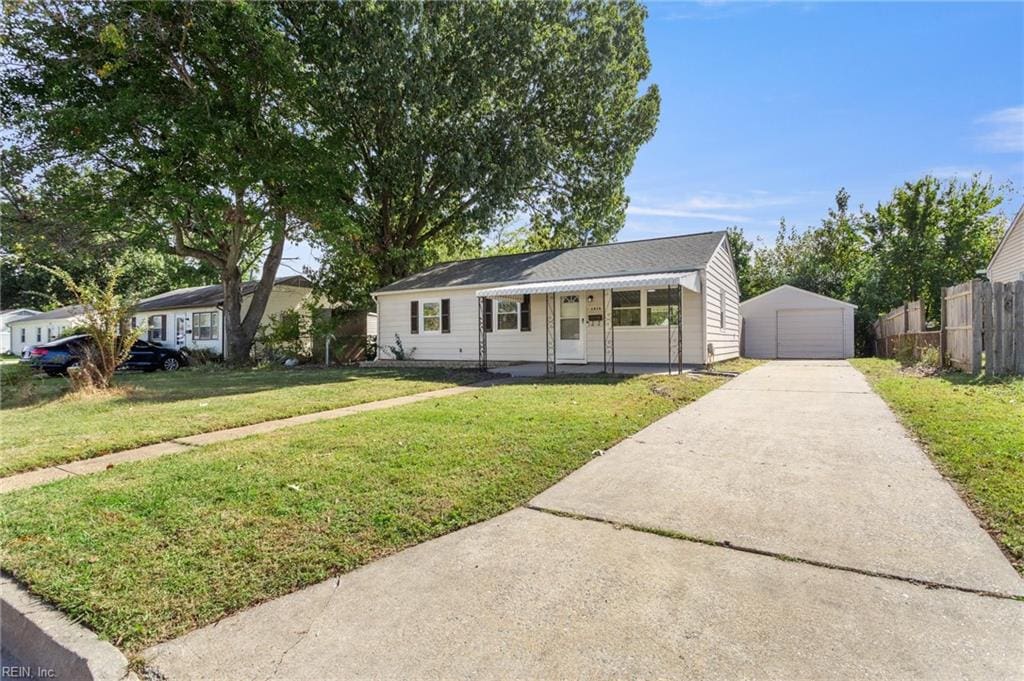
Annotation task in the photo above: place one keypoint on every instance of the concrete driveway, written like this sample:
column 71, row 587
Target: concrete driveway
column 783, row 526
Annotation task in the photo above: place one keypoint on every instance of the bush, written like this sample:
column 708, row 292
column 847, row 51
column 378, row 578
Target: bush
column 930, row 356
column 18, row 384
column 284, row 336
column 398, row 350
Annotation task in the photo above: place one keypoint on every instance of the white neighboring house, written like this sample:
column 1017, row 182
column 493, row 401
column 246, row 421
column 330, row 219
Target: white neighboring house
column 187, row 317
column 193, row 317
column 1007, row 262
column 608, row 303
column 791, row 323
column 43, row 327
column 6, row 318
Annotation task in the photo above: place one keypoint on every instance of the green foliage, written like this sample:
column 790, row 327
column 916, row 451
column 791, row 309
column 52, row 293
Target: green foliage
column 106, row 320
column 742, row 258
column 930, row 234
column 459, row 117
column 398, row 350
column 284, row 336
column 183, row 111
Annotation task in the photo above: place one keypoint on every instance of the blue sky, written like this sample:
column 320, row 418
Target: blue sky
column 767, row 109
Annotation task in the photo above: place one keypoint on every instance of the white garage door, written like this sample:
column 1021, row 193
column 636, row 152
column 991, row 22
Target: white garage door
column 810, row 334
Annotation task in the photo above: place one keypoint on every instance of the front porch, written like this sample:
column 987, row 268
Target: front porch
column 577, row 310
column 539, row 369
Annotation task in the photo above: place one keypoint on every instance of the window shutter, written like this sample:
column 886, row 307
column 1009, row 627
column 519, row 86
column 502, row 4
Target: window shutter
column 414, row 316
column 524, row 313
column 488, row 314
column 446, row 308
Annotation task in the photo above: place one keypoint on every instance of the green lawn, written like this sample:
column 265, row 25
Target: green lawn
column 974, row 430
column 154, row 407
column 148, row 551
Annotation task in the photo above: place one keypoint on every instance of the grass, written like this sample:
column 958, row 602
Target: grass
column 973, row 428
column 148, row 551
column 738, row 364
column 148, row 408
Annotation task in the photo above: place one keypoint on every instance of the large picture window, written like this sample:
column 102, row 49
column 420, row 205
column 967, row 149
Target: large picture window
column 431, row 316
column 662, row 310
column 506, row 315
column 205, row 325
column 626, row 308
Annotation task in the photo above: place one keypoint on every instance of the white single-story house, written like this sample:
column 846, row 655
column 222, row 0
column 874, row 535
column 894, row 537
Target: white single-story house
column 791, row 323
column 6, row 318
column 1007, row 262
column 671, row 300
column 43, row 327
column 187, row 317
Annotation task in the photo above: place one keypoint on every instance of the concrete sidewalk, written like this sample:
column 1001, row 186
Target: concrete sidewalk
column 827, row 520
column 177, row 445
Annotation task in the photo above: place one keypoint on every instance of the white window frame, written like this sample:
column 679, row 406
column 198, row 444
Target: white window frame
column 23, row 334
column 643, row 298
column 647, row 308
column 494, row 311
column 214, row 326
column 423, row 316
column 721, row 308
column 643, row 309
column 39, row 334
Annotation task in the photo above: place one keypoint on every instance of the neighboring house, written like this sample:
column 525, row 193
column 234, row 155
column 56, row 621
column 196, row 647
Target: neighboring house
column 6, row 318
column 188, row 317
column 1007, row 262
column 609, row 303
column 791, row 323
column 193, row 317
column 44, row 326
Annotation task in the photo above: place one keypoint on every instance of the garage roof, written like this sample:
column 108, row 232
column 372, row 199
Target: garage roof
column 785, row 287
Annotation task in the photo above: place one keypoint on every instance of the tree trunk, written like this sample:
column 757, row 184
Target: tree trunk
column 235, row 350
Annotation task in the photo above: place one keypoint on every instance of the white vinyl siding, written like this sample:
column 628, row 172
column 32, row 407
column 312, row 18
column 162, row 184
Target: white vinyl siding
column 646, row 344
column 1008, row 263
column 722, row 294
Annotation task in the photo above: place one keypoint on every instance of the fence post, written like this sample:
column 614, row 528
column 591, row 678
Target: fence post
column 1018, row 327
column 987, row 323
column 942, row 327
column 977, row 321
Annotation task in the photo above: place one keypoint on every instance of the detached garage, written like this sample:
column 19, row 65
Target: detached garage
column 791, row 323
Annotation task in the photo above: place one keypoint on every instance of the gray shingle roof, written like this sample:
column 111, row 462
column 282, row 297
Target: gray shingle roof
column 667, row 254
column 59, row 313
column 206, row 296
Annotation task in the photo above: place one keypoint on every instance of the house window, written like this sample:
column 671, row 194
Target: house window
column 22, row 335
column 662, row 310
column 721, row 309
column 158, row 327
column 626, row 308
column 430, row 319
column 39, row 335
column 506, row 314
column 205, row 326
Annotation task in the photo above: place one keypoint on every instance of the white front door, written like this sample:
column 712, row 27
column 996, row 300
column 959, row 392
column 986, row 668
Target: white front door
column 181, row 330
column 571, row 341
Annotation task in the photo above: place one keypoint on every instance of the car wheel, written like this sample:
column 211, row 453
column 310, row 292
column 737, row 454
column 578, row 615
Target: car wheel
column 171, row 364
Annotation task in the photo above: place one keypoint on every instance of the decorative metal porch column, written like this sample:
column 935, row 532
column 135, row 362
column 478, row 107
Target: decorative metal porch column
column 482, row 333
column 609, row 329
column 679, row 324
column 550, row 333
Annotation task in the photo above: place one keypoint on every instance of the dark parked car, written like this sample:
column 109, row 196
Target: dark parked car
column 56, row 357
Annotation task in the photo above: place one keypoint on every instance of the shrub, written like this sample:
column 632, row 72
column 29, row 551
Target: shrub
column 930, row 356
column 398, row 350
column 283, row 336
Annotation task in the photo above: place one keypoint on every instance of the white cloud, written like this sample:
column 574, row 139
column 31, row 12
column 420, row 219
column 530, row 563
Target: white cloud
column 713, row 206
column 1003, row 130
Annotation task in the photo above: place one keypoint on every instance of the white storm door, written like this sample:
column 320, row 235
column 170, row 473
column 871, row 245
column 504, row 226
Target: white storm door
column 571, row 332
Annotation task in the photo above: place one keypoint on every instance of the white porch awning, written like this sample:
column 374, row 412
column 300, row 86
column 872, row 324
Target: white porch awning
column 688, row 280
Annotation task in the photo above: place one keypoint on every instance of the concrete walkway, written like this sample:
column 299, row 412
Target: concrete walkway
column 782, row 527
column 181, row 444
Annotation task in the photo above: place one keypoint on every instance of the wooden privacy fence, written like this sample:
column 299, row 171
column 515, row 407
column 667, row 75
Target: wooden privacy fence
column 984, row 317
column 978, row 319
column 904, row 329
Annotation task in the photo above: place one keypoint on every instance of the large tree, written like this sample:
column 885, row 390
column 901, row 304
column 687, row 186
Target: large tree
column 189, row 105
column 456, row 117
column 930, row 234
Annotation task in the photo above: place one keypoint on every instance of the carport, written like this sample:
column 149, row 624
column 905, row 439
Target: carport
column 791, row 323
